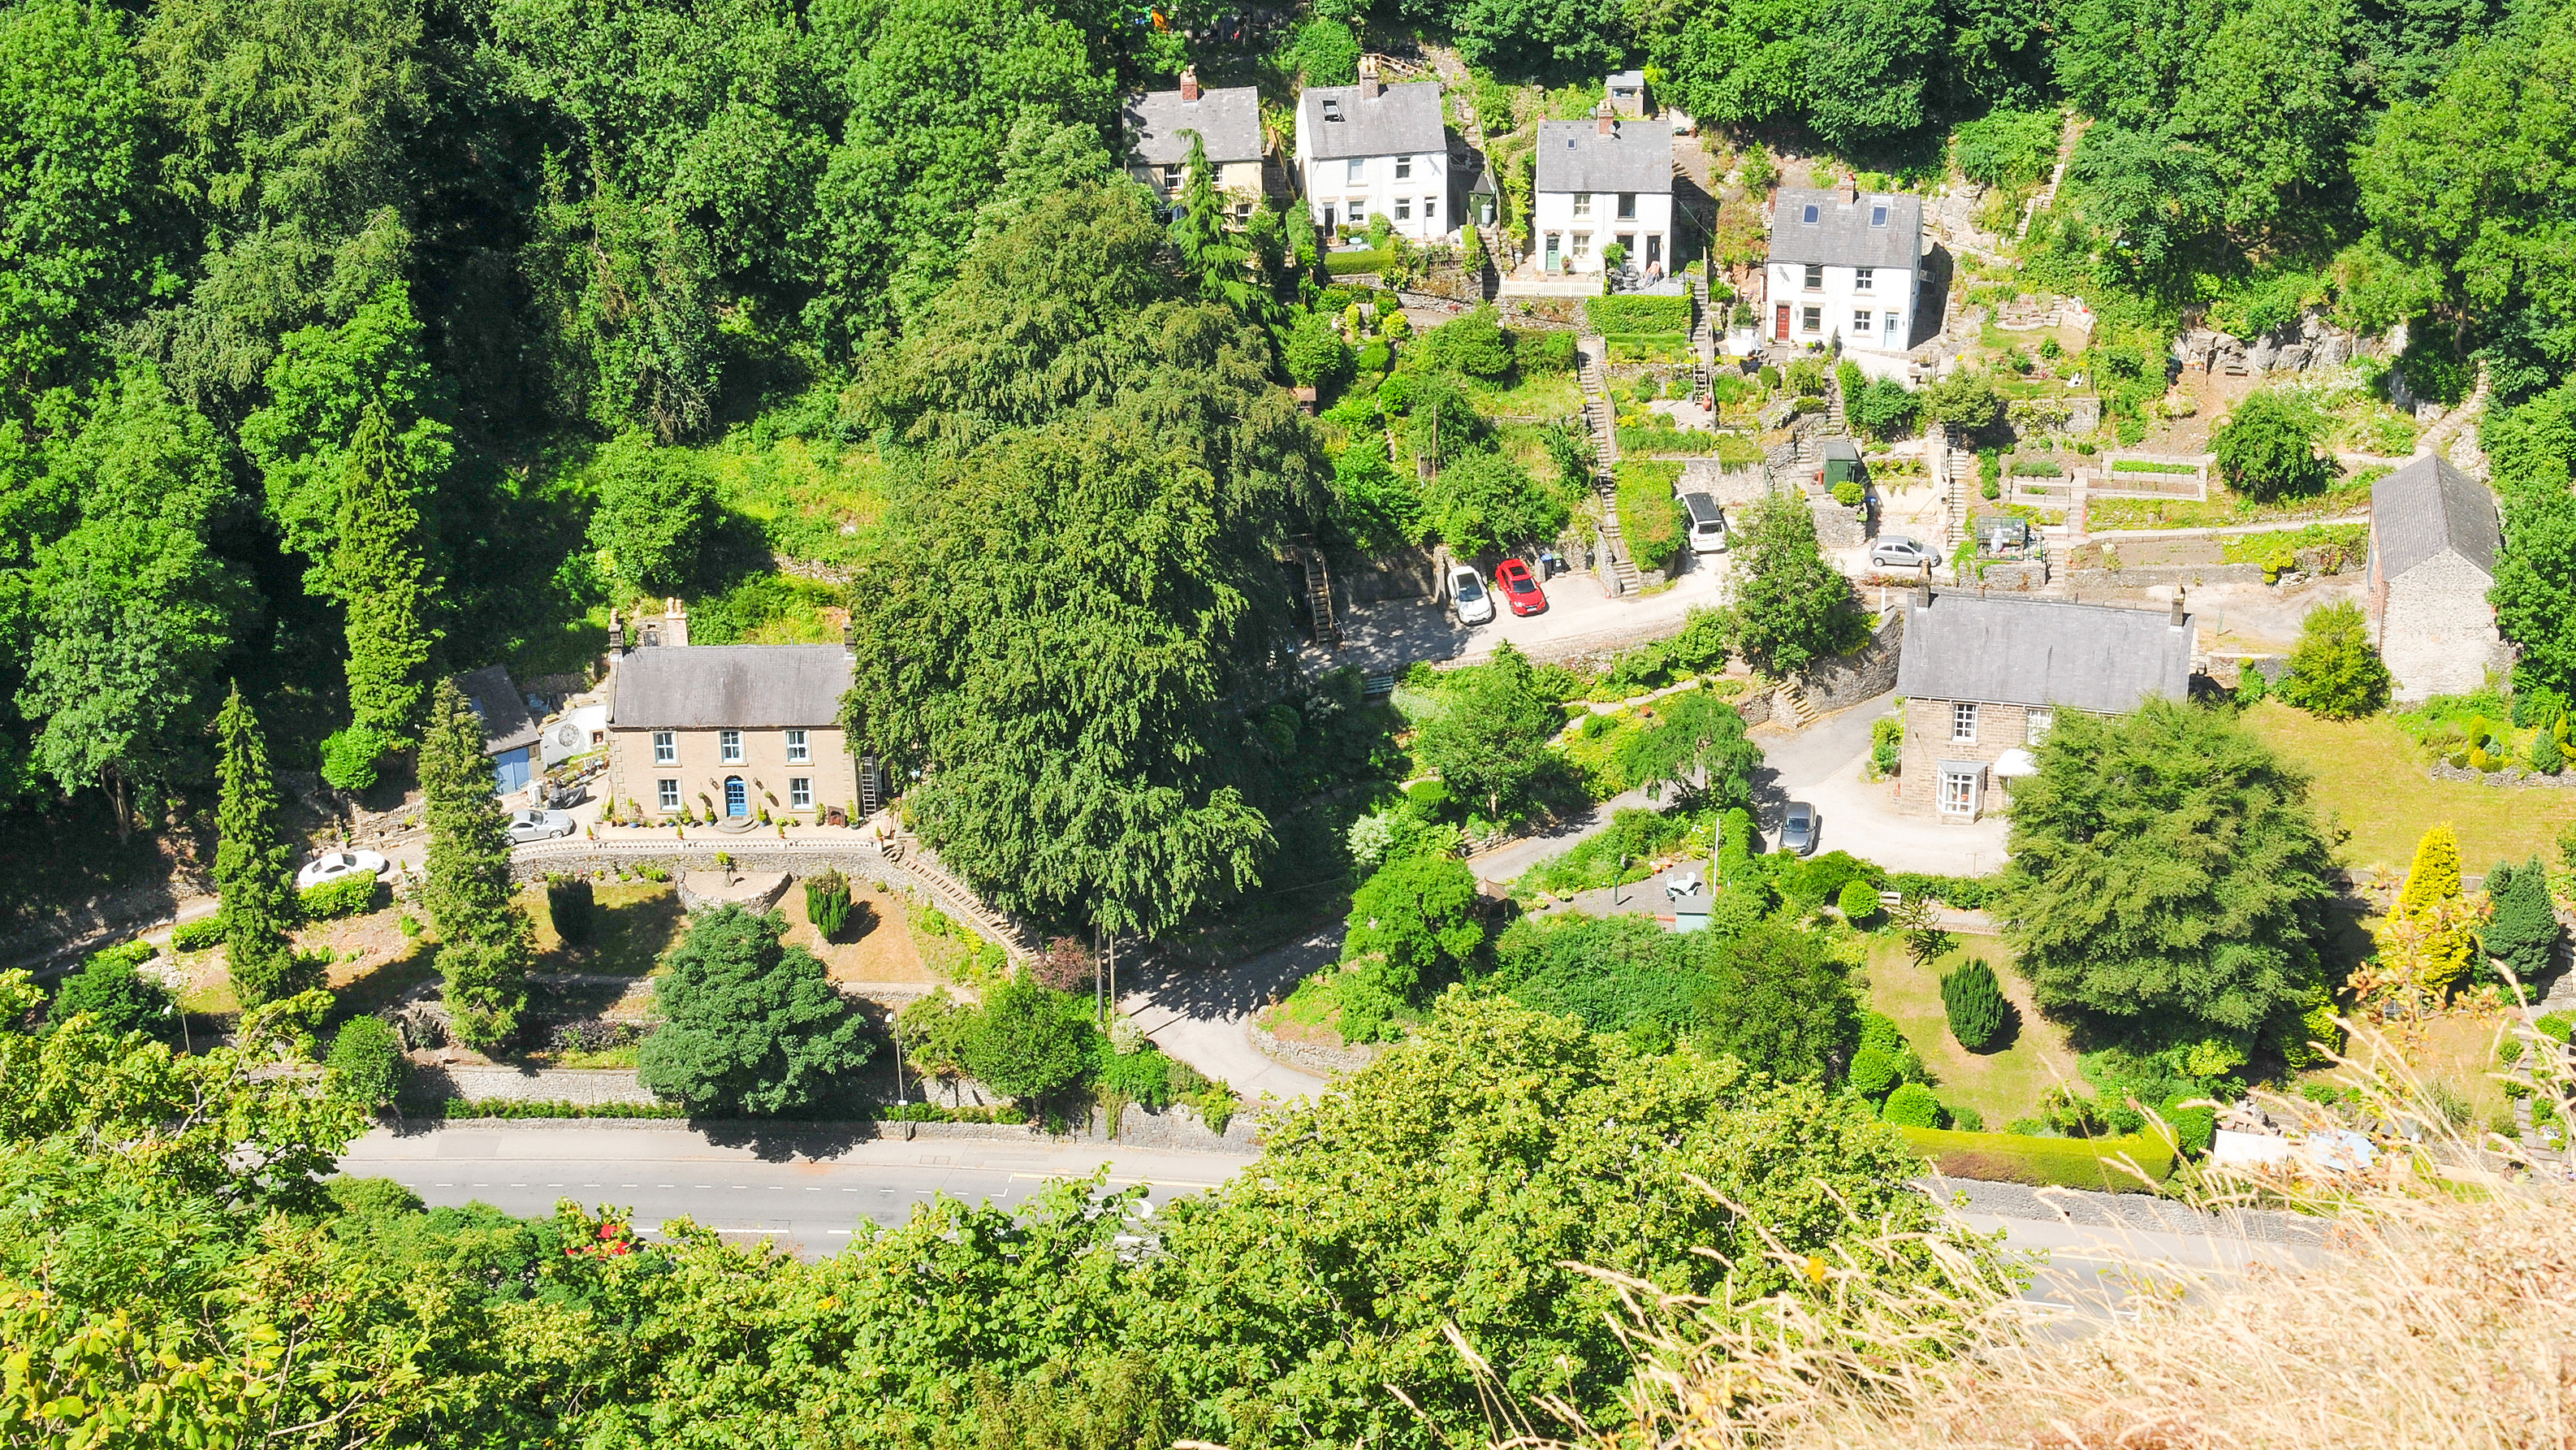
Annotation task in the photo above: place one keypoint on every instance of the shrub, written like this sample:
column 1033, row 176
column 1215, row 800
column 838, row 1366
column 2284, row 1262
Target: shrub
column 2036, row 468
column 2007, row 147
column 2265, row 450
column 570, row 905
column 1545, row 352
column 2191, row 1130
column 1630, row 313
column 1873, row 1070
column 2334, row 672
column 113, row 990
column 349, row 896
column 1375, row 356
column 1883, row 409
column 1858, row 902
column 1848, row 493
column 2142, row 465
column 203, row 934
column 1649, row 516
column 1975, row 1004
column 1315, row 352
column 366, row 1062
column 1967, row 893
column 1912, row 1106
column 2554, row 1026
column 1474, row 344
column 350, row 757
column 827, row 902
column 2046, row 1162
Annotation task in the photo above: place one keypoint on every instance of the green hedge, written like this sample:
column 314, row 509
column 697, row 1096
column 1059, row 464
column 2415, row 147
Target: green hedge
column 1649, row 516
column 2138, row 465
column 1544, row 352
column 1967, row 893
column 1342, row 264
column 198, row 935
column 1630, row 313
column 347, row 897
column 2046, row 1162
column 457, row 1108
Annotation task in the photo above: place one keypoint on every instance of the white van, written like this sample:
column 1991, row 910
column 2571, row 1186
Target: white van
column 1706, row 523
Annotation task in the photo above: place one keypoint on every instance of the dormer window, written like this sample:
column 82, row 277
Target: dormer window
column 1332, row 109
column 1878, row 214
column 1810, row 217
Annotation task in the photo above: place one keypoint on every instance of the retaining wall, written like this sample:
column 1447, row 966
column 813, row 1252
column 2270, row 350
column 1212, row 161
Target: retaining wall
column 1308, row 1056
column 2147, row 575
column 1864, row 674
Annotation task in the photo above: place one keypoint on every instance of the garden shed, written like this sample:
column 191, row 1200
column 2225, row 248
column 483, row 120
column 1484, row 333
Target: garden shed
column 2434, row 536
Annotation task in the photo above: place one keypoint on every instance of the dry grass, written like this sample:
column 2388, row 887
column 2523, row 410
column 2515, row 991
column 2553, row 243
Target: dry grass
column 2443, row 1313
column 2370, row 780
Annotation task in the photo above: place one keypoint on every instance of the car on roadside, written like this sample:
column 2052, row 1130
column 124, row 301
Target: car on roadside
column 537, row 825
column 1468, row 597
column 1798, row 827
column 1895, row 551
column 338, row 866
column 1519, row 589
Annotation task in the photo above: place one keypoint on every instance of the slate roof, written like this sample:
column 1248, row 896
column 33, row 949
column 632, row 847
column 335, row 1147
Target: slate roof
column 507, row 725
column 1229, row 119
column 730, row 686
column 1841, row 235
column 2043, row 652
column 1404, row 120
column 1575, row 156
column 2428, row 506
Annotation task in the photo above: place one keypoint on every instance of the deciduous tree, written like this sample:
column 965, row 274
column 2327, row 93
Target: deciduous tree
column 2267, row 449
column 656, row 506
column 1490, row 744
column 1695, row 742
column 1791, row 606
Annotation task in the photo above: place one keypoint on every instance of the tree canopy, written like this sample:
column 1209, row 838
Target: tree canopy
column 750, row 1026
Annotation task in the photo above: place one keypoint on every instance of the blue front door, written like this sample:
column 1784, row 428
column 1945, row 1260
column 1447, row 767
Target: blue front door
column 737, row 800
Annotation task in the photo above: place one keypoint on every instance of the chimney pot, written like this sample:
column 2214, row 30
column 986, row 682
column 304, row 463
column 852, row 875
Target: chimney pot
column 1369, row 86
column 1601, row 118
column 1189, row 83
column 2177, row 607
column 1851, row 187
column 675, row 622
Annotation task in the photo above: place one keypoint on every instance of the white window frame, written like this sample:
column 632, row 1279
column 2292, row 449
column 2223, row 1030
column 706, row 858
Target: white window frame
column 1627, row 206
column 1878, row 213
column 2037, row 724
column 1958, row 792
column 729, row 747
column 1864, row 279
column 1583, row 203
column 1963, row 721
column 1583, row 244
column 1863, row 323
column 666, row 747
column 799, row 750
column 1404, row 168
column 1172, row 177
column 1815, row 278
column 1404, row 208
column 800, row 792
column 1812, row 319
column 1355, row 171
column 666, row 795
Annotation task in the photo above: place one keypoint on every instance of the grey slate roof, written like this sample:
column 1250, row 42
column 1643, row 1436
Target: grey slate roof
column 729, row 686
column 1404, row 120
column 1841, row 235
column 1575, row 156
column 507, row 725
column 1229, row 119
column 2043, row 652
column 2428, row 506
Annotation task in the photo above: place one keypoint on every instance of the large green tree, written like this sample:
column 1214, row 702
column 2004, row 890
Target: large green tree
column 2168, row 879
column 2334, row 672
column 483, row 939
column 749, row 1026
column 656, row 506
column 252, row 864
column 1791, row 606
column 1096, row 473
column 1695, row 742
column 1421, row 913
column 1489, row 741
column 379, row 567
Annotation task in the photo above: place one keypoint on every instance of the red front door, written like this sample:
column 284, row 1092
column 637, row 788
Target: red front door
column 1780, row 322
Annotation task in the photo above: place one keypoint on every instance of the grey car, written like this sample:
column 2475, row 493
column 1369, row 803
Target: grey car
column 539, row 825
column 1798, row 826
column 1895, row 551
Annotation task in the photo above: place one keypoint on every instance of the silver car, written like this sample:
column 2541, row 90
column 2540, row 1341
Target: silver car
column 1895, row 551
column 1469, row 596
column 1798, row 828
column 539, row 825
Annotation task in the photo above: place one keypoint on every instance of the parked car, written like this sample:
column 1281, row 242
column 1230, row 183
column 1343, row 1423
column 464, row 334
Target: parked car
column 1707, row 523
column 533, row 825
column 1520, row 590
column 1798, row 828
column 1895, row 551
column 1467, row 596
column 338, row 866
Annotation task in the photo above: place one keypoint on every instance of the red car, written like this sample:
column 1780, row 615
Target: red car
column 1514, row 583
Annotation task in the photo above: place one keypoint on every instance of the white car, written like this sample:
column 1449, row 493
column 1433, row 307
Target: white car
column 534, row 825
column 338, row 866
column 1468, row 597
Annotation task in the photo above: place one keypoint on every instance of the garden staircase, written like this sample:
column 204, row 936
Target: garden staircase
column 1319, row 592
column 1790, row 698
column 1703, row 343
column 1951, row 468
column 1837, row 422
column 951, row 896
column 1601, row 422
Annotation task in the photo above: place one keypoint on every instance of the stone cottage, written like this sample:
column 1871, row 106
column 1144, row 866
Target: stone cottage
column 727, row 731
column 1227, row 121
column 1983, row 680
column 2434, row 536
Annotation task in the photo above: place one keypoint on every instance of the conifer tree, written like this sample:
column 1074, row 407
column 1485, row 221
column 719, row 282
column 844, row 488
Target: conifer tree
column 1974, row 1002
column 251, row 864
column 2433, row 932
column 2524, row 932
column 484, row 941
column 382, row 574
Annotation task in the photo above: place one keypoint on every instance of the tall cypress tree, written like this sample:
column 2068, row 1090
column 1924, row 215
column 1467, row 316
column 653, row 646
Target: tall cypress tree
column 251, row 865
column 483, row 940
column 382, row 572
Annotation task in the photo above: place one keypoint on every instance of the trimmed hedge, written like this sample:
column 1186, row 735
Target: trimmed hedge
column 197, row 936
column 455, row 1108
column 2139, row 465
column 2046, row 1162
column 1967, row 893
column 1544, row 351
column 1342, row 264
column 1631, row 313
column 1649, row 516
column 349, row 896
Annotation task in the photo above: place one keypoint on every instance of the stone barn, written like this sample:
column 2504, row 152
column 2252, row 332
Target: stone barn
column 2434, row 537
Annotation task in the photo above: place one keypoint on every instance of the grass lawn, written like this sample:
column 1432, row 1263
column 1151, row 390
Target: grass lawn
column 635, row 922
column 2000, row 1085
column 2370, row 780
column 1532, row 395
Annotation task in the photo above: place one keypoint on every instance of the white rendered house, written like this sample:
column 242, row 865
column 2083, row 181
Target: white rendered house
column 1376, row 150
column 1600, row 182
column 1845, row 264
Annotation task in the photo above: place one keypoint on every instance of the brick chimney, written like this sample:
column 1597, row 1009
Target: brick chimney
column 1601, row 118
column 675, row 622
column 1189, row 83
column 616, row 635
column 2177, row 607
column 1370, row 90
column 1851, row 188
